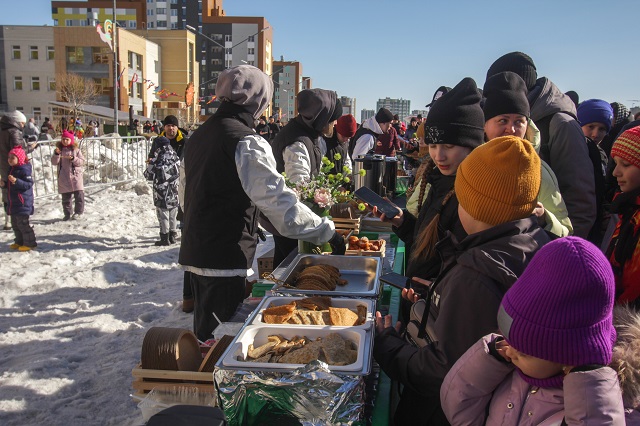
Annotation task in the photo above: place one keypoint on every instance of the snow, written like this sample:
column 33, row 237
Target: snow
column 74, row 312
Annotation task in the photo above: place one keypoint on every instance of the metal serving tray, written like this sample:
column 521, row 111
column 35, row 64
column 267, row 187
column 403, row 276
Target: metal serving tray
column 233, row 357
column 337, row 302
column 361, row 272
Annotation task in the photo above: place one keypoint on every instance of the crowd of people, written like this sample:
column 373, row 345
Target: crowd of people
column 522, row 234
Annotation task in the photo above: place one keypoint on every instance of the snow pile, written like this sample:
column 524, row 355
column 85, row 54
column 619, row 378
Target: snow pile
column 74, row 312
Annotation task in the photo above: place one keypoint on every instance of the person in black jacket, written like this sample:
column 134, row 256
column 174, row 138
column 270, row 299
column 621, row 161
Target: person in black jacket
column 453, row 128
column 497, row 188
column 263, row 128
column 297, row 147
column 177, row 136
column 231, row 176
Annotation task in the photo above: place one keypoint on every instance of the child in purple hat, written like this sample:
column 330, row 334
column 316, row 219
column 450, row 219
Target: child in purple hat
column 550, row 363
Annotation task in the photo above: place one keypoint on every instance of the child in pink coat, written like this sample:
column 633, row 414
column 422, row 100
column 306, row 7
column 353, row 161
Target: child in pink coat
column 550, row 365
column 70, row 162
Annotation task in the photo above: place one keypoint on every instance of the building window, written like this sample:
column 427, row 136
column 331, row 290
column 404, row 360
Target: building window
column 251, row 51
column 102, row 86
column 216, row 62
column 100, row 55
column 17, row 83
column 149, row 12
column 162, row 24
column 139, row 90
column 216, row 49
column 50, row 53
column 132, row 24
column 228, row 63
column 251, row 63
column 130, row 59
column 251, row 38
column 68, row 22
column 33, row 52
column 150, row 25
column 55, row 22
column 21, row 109
column 15, row 52
column 139, row 62
column 35, row 83
column 174, row 1
column 75, row 55
column 227, row 37
column 37, row 112
column 174, row 25
column 174, row 12
column 52, row 84
column 161, row 11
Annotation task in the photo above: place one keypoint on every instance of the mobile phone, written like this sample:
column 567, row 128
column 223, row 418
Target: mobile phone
column 395, row 280
column 365, row 194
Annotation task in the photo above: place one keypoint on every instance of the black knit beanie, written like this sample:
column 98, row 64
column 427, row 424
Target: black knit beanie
column 505, row 93
column 519, row 63
column 456, row 118
column 575, row 98
column 384, row 116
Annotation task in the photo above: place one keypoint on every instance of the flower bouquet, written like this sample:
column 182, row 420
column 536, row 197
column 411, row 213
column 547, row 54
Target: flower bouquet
column 325, row 189
column 322, row 192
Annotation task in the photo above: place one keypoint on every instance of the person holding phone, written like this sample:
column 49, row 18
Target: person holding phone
column 453, row 128
column 497, row 188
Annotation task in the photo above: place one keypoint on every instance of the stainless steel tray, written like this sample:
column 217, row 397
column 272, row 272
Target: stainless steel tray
column 257, row 334
column 361, row 272
column 337, row 302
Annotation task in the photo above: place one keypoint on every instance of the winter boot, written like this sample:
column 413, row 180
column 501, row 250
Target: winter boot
column 172, row 237
column 164, row 240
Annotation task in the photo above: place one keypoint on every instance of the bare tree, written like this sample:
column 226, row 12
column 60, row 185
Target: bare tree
column 76, row 90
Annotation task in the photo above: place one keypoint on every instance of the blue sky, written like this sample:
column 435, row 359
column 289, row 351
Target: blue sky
column 371, row 49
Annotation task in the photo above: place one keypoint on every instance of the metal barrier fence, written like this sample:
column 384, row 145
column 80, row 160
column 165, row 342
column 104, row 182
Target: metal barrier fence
column 108, row 160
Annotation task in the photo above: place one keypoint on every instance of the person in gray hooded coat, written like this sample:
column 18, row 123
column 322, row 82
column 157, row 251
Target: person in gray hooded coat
column 297, row 148
column 230, row 173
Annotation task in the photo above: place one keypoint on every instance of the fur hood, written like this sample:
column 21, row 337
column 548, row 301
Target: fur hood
column 626, row 354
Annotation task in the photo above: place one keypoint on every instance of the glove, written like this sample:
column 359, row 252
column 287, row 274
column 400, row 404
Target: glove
column 337, row 244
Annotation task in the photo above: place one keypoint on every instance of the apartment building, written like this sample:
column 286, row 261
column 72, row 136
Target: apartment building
column 227, row 41
column 179, row 66
column 130, row 14
column 82, row 52
column 27, row 69
column 348, row 105
column 366, row 113
column 396, row 106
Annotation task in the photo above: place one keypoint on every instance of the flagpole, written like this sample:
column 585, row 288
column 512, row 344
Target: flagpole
column 115, row 70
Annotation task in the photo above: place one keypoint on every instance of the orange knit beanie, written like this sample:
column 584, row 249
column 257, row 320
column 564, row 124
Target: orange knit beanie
column 499, row 181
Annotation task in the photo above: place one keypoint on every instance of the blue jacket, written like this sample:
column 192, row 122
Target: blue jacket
column 21, row 191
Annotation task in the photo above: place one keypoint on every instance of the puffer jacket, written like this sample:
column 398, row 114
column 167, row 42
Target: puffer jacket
column 365, row 138
column 556, row 215
column 70, row 172
column 164, row 171
column 568, row 153
column 478, row 380
column 21, row 191
column 464, row 307
column 10, row 137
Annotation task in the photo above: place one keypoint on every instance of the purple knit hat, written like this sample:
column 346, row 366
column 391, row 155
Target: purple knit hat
column 560, row 309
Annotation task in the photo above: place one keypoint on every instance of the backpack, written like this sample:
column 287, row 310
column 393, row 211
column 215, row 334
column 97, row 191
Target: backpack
column 599, row 171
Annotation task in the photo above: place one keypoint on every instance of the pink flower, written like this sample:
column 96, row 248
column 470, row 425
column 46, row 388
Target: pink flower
column 322, row 197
